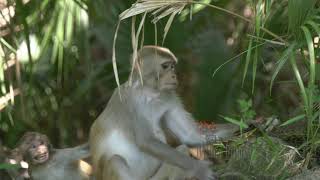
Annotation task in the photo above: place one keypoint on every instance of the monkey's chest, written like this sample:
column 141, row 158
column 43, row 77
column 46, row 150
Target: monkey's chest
column 155, row 116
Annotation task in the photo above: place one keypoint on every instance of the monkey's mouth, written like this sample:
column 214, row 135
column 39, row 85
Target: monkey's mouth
column 41, row 157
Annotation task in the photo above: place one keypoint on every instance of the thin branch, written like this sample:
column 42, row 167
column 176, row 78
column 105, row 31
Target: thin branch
column 4, row 100
column 267, row 40
column 240, row 17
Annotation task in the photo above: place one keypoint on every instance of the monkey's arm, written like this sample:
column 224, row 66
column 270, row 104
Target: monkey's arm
column 151, row 145
column 181, row 124
column 75, row 153
column 147, row 142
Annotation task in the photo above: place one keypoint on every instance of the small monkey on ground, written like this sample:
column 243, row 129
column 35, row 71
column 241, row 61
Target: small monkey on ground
column 47, row 163
column 129, row 141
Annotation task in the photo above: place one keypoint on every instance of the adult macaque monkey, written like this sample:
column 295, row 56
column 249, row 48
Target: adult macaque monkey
column 47, row 163
column 127, row 140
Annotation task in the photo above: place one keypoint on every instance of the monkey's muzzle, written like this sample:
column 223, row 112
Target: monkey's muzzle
column 42, row 157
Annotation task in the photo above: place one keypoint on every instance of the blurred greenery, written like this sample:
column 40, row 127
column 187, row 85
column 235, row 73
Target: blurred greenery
column 56, row 70
column 62, row 71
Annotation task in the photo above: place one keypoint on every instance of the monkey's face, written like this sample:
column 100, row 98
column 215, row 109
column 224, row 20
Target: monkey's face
column 157, row 66
column 167, row 76
column 38, row 151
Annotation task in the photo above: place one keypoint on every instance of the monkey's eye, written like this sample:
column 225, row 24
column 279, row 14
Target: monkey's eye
column 33, row 146
column 166, row 65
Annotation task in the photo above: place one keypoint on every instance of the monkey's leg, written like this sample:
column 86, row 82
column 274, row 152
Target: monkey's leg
column 116, row 168
column 170, row 172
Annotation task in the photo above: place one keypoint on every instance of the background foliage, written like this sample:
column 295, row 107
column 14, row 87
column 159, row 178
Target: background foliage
column 56, row 66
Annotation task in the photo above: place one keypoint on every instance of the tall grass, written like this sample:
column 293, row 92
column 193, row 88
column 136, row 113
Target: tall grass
column 302, row 28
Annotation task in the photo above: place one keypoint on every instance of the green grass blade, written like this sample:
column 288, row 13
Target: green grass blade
column 35, row 16
column 5, row 43
column 248, row 56
column 3, row 86
column 54, row 53
column 48, row 32
column 258, row 23
column 254, row 67
column 312, row 70
column 299, row 79
column 309, row 40
column 234, row 121
column 268, row 5
column 293, row 120
column 69, row 23
column 281, row 62
column 60, row 37
column 235, row 58
column 315, row 26
column 298, row 11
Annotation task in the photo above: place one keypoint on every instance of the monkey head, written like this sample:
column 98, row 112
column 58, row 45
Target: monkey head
column 158, row 68
column 35, row 147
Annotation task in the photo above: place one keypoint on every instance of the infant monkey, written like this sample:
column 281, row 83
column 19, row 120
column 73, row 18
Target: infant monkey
column 47, row 163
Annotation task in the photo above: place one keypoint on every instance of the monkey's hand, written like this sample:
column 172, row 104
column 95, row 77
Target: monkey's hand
column 202, row 171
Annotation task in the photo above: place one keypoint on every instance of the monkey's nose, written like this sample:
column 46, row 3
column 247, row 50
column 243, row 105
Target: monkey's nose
column 42, row 149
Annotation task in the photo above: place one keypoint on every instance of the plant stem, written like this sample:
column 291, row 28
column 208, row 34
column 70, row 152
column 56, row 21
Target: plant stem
column 240, row 17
